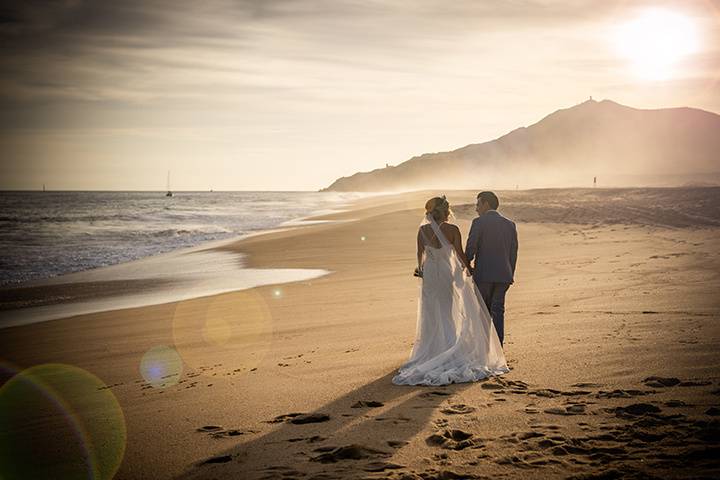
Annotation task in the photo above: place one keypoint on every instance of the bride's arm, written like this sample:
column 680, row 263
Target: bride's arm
column 457, row 245
column 420, row 250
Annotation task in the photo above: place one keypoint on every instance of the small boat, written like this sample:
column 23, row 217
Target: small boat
column 169, row 192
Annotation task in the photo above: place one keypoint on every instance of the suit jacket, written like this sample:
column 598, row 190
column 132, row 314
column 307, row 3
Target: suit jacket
column 493, row 243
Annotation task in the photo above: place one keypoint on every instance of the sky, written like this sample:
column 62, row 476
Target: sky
column 292, row 94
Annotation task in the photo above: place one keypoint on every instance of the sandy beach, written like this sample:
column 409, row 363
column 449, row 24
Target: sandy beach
column 612, row 335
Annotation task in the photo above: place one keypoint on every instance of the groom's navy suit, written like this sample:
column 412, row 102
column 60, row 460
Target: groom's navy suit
column 493, row 243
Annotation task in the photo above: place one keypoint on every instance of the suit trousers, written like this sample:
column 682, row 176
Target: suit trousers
column 493, row 294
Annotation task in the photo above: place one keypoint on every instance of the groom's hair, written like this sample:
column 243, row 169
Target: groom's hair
column 490, row 198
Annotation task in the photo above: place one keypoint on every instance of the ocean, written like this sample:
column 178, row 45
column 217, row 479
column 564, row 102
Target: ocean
column 46, row 234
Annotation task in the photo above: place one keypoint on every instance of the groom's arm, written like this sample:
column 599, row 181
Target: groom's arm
column 514, row 249
column 473, row 239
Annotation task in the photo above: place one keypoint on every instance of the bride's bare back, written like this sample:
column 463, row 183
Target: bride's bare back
column 426, row 235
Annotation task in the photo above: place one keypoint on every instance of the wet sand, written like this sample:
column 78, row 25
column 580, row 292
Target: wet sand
column 612, row 335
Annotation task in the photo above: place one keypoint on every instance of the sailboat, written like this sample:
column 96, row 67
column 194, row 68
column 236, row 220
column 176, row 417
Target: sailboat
column 169, row 192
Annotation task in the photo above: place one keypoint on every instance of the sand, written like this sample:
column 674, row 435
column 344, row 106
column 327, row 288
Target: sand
column 612, row 335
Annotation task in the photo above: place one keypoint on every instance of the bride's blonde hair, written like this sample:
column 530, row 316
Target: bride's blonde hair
column 439, row 208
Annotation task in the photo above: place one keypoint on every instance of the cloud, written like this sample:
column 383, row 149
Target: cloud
column 139, row 51
column 275, row 73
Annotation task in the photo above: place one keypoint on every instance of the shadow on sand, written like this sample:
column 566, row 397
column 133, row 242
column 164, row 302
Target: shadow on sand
column 355, row 440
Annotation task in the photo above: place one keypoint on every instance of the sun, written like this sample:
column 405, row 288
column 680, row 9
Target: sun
column 656, row 42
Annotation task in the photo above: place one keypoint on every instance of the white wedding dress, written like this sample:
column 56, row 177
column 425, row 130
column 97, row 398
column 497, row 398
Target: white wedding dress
column 456, row 340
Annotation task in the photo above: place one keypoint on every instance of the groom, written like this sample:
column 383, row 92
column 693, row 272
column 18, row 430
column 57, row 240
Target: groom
column 493, row 243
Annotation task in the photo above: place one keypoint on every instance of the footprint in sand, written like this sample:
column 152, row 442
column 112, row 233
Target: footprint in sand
column 300, row 418
column 397, row 443
column 576, row 393
column 695, row 383
column 282, row 470
column 661, row 382
column 517, row 386
column 348, row 452
column 453, row 439
column 381, row 466
column 529, row 435
column 106, row 387
column 546, row 392
column 367, row 403
column 634, row 410
column 664, row 442
column 623, row 393
column 434, row 393
column 586, row 385
column 216, row 431
column 458, row 409
column 313, row 439
column 441, row 422
column 492, row 386
column 209, row 428
column 434, row 474
column 576, row 409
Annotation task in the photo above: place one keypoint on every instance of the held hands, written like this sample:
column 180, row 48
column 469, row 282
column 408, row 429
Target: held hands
column 419, row 273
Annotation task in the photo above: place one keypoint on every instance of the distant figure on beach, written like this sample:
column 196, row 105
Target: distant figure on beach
column 594, row 181
column 455, row 341
column 493, row 243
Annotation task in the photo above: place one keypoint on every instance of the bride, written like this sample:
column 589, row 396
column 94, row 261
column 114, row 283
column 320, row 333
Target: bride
column 456, row 341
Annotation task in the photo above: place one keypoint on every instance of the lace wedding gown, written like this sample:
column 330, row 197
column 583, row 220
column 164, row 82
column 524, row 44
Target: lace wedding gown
column 456, row 340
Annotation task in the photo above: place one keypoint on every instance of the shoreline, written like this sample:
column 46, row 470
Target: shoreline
column 98, row 289
column 596, row 310
column 81, row 231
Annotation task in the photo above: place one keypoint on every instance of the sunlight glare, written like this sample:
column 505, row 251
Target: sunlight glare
column 656, row 42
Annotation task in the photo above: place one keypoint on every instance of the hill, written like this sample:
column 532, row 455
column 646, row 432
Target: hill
column 622, row 146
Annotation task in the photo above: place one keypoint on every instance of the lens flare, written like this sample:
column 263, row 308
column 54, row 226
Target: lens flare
column 217, row 331
column 7, row 371
column 161, row 366
column 231, row 332
column 59, row 421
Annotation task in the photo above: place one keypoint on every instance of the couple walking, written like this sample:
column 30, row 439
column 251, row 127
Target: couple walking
column 460, row 324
